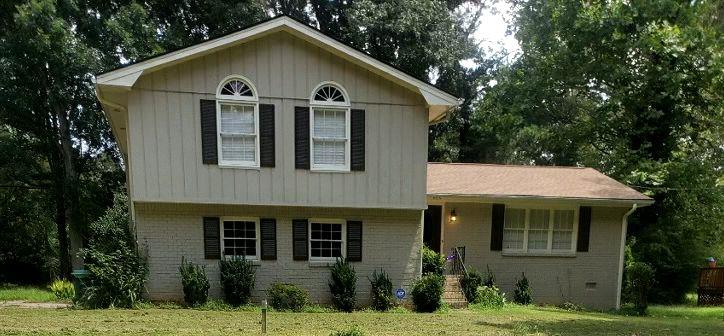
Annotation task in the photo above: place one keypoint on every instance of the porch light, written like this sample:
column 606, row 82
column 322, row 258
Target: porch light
column 453, row 216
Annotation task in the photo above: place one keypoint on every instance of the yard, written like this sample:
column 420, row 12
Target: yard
column 512, row 320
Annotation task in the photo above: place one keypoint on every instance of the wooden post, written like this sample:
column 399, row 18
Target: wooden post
column 263, row 317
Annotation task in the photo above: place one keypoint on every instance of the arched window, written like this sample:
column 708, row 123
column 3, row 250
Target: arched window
column 237, row 116
column 330, row 127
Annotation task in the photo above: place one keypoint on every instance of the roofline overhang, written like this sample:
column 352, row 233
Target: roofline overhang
column 439, row 102
column 480, row 198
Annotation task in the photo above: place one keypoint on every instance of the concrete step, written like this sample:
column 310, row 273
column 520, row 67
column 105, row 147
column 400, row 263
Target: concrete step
column 453, row 293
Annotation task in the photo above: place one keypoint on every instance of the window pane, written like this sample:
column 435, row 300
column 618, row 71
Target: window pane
column 562, row 240
column 512, row 239
column 239, row 238
column 562, row 229
column 539, row 219
column 237, row 119
column 326, row 240
column 329, row 152
column 563, row 220
column 514, row 218
column 238, row 147
column 330, row 123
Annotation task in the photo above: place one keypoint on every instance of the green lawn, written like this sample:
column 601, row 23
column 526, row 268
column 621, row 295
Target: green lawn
column 512, row 320
column 26, row 293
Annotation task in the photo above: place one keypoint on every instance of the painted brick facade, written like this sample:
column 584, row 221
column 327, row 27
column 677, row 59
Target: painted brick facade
column 391, row 241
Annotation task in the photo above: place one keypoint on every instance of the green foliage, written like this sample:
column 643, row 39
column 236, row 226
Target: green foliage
column 489, row 297
column 354, row 331
column 432, row 262
column 570, row 306
column 489, row 279
column 343, row 285
column 116, row 271
column 237, row 280
column 194, row 282
column 639, row 280
column 62, row 289
column 470, row 282
column 382, row 297
column 427, row 293
column 522, row 294
column 285, row 297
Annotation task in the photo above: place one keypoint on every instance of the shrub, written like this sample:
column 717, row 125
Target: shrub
column 427, row 291
column 237, row 280
column 382, row 297
column 570, row 306
column 470, row 281
column 489, row 297
column 62, row 289
column 432, row 262
column 194, row 282
column 116, row 271
column 287, row 297
column 343, row 285
column 522, row 293
column 354, row 331
column 639, row 280
column 489, row 279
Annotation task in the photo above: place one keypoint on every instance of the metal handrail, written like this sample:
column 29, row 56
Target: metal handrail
column 457, row 266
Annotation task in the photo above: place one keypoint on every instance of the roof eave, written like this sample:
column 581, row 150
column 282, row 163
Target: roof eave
column 502, row 198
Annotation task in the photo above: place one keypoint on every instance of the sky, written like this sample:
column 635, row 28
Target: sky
column 491, row 32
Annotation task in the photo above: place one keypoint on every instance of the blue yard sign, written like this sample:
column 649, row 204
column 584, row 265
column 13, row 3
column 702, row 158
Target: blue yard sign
column 400, row 293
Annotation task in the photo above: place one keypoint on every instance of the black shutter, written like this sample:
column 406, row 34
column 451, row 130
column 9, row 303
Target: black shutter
column 299, row 239
column 584, row 228
column 357, row 135
column 212, row 239
column 266, row 135
column 496, row 232
column 354, row 240
column 209, row 153
column 301, row 137
column 268, row 231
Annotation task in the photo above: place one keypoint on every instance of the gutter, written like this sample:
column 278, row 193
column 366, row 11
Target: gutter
column 624, row 228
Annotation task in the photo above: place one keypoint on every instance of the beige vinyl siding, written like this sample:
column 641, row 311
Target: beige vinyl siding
column 166, row 232
column 165, row 142
column 552, row 279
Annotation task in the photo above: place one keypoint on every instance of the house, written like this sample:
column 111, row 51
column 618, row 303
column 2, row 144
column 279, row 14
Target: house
column 284, row 145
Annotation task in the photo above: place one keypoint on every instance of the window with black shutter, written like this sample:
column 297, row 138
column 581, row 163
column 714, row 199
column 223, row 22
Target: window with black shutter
column 299, row 239
column 268, row 229
column 212, row 239
column 354, row 240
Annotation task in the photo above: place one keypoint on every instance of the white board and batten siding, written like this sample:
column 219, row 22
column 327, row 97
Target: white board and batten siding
column 165, row 135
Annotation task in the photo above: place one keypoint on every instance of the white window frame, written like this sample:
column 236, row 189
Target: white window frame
column 326, row 105
column 241, row 219
column 551, row 216
column 327, row 221
column 240, row 101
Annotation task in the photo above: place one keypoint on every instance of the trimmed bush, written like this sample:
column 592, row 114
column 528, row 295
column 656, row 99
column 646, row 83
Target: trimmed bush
column 427, row 292
column 116, row 271
column 470, row 282
column 287, row 297
column 62, row 289
column 382, row 297
column 489, row 297
column 432, row 262
column 343, row 285
column 639, row 280
column 237, row 280
column 194, row 282
column 522, row 293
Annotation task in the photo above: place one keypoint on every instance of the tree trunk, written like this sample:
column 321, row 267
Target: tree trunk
column 70, row 187
column 62, row 226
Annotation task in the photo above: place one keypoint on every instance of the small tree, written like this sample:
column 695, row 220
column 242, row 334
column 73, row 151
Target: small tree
column 522, row 293
column 343, row 285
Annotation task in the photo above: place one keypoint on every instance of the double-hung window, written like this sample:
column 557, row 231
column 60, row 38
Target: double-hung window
column 326, row 239
column 330, row 128
column 240, row 238
column 539, row 230
column 238, row 123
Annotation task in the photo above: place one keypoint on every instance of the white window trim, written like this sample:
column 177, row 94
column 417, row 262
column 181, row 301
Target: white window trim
column 549, row 251
column 345, row 106
column 243, row 101
column 326, row 221
column 258, row 237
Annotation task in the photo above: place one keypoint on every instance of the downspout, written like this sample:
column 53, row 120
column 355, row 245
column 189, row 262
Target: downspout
column 624, row 228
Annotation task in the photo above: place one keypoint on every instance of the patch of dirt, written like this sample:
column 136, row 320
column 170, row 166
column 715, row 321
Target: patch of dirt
column 27, row 304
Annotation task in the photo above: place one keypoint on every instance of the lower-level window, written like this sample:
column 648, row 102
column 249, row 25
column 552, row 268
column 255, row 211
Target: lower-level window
column 326, row 239
column 239, row 238
column 539, row 230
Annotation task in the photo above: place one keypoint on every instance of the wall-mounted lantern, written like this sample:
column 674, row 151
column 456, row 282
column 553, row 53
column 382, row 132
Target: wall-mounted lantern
column 453, row 216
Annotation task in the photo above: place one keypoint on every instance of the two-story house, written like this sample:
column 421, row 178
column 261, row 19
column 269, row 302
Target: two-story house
column 286, row 146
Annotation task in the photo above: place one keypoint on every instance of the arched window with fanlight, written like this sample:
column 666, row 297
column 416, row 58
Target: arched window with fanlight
column 329, row 127
column 237, row 122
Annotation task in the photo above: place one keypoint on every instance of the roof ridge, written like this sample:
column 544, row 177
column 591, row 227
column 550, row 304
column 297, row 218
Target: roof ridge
column 506, row 165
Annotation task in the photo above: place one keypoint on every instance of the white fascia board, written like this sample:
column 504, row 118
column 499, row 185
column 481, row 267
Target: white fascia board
column 436, row 99
column 464, row 198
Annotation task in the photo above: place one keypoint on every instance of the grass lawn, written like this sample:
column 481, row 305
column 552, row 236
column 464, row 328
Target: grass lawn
column 26, row 293
column 512, row 320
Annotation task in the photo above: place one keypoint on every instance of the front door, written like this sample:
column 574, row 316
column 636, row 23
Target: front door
column 431, row 231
